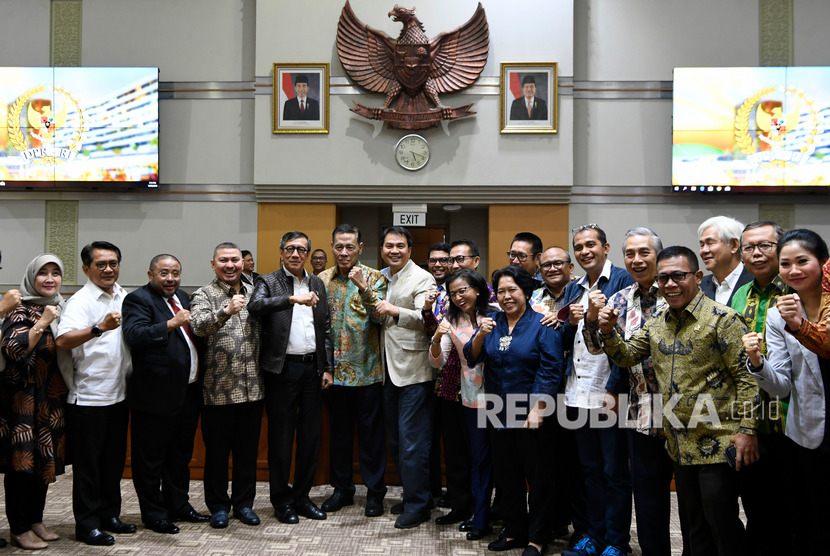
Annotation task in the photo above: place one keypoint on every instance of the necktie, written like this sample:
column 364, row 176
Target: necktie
column 302, row 106
column 185, row 327
column 529, row 108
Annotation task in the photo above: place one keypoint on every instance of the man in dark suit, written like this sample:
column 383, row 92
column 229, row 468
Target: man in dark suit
column 301, row 107
column 528, row 107
column 164, row 395
column 297, row 361
column 720, row 250
column 248, row 265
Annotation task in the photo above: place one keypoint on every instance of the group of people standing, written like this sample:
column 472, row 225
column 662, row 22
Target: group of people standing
column 564, row 394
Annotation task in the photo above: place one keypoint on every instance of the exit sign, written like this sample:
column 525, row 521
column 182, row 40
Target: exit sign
column 409, row 218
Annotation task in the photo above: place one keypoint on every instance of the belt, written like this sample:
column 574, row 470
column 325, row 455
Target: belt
column 307, row 358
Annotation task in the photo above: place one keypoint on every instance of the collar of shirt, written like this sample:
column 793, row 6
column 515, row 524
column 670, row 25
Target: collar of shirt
column 777, row 283
column 305, row 278
column 693, row 309
column 225, row 287
column 731, row 279
column 117, row 291
column 606, row 273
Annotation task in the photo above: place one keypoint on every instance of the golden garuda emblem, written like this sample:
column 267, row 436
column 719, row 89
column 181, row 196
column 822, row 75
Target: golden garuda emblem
column 412, row 70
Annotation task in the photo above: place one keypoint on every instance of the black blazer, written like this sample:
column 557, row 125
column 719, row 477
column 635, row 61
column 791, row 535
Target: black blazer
column 518, row 110
column 291, row 109
column 269, row 303
column 707, row 284
column 161, row 359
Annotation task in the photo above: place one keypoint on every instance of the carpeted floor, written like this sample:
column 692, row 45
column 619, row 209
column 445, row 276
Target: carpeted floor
column 346, row 532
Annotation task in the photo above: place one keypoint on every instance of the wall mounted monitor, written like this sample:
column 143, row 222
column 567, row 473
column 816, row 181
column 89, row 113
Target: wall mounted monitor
column 79, row 127
column 751, row 130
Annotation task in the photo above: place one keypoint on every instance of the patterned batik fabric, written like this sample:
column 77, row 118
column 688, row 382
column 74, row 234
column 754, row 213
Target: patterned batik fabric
column 32, row 400
column 230, row 364
column 753, row 303
column 635, row 307
column 355, row 336
column 543, row 301
column 448, row 382
column 700, row 366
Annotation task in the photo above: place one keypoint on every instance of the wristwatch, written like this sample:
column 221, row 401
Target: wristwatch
column 96, row 331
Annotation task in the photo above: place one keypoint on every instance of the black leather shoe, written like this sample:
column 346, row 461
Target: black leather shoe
column 397, row 509
column 452, row 517
column 467, row 525
column 374, row 507
column 286, row 514
column 337, row 501
column 94, row 537
column 503, row 544
column 309, row 510
column 219, row 520
column 410, row 520
column 478, row 534
column 163, row 526
column 115, row 525
column 191, row 515
column 247, row 516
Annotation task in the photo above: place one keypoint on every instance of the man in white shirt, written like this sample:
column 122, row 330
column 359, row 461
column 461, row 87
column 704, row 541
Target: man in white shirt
column 720, row 250
column 96, row 411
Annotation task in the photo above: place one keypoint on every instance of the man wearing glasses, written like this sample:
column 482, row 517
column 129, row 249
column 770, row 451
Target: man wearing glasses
column 464, row 253
column 96, row 410
column 524, row 252
column 556, row 269
column 710, row 398
column 296, row 360
column 356, row 397
column 764, row 486
column 319, row 260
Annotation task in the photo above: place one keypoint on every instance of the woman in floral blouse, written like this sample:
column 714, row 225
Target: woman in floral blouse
column 32, row 433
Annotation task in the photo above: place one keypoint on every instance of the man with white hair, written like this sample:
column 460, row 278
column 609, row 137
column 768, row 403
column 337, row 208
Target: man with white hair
column 720, row 250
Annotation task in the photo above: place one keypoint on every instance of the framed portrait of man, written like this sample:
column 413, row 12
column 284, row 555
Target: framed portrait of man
column 529, row 97
column 301, row 98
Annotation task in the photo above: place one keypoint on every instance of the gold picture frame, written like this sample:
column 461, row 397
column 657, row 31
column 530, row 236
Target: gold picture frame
column 521, row 117
column 287, row 115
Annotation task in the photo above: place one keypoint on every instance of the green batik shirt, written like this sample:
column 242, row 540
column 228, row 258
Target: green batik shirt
column 753, row 303
column 355, row 337
column 700, row 362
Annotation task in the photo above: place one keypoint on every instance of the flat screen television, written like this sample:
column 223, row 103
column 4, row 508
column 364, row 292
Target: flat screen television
column 79, row 127
column 751, row 129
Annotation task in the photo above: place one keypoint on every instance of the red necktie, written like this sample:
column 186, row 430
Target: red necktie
column 186, row 328
column 302, row 106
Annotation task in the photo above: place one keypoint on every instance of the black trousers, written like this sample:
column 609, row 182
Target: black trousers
column 522, row 461
column 361, row 406
column 294, row 403
column 25, row 500
column 231, row 429
column 161, row 449
column 97, row 436
column 457, row 455
column 813, row 488
column 707, row 498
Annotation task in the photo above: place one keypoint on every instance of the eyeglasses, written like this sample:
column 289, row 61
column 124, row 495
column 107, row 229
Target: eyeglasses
column 521, row 257
column 165, row 274
column 442, row 260
column 102, row 265
column 318, row 258
column 291, row 248
column 765, row 247
column 676, row 277
column 459, row 292
column 578, row 229
column 555, row 264
column 460, row 258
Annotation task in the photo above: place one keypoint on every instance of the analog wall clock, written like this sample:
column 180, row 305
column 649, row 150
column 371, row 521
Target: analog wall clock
column 412, row 152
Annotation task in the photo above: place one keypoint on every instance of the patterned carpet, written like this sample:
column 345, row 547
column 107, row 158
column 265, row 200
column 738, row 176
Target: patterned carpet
column 346, row 532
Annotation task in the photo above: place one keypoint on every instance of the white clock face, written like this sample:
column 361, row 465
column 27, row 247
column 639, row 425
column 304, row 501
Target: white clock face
column 412, row 152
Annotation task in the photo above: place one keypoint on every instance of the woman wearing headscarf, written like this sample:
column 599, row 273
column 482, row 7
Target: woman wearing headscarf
column 32, row 397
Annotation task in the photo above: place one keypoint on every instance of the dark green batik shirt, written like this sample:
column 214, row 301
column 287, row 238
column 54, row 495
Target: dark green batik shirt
column 700, row 365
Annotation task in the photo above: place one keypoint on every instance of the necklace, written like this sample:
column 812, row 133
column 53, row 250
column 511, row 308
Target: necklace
column 504, row 342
